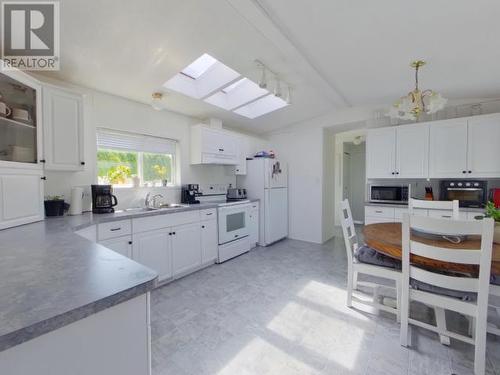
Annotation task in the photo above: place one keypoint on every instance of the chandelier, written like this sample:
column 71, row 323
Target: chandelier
column 411, row 106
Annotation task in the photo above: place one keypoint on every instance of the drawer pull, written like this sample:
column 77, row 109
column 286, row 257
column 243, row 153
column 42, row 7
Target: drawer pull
column 210, row 213
column 379, row 212
column 446, row 216
column 115, row 229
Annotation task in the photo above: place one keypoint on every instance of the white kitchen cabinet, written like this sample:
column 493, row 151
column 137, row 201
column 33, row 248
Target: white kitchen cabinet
column 448, row 149
column 122, row 245
column 21, row 196
column 241, row 167
column 381, row 153
column 63, row 129
column 154, row 250
column 186, row 248
column 209, row 241
column 483, row 146
column 254, row 224
column 213, row 146
column 412, row 151
column 398, row 152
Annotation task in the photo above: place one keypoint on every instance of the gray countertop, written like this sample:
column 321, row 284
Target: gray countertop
column 398, row 205
column 51, row 277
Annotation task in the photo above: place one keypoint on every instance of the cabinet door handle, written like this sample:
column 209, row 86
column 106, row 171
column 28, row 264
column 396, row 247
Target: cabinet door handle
column 210, row 213
column 464, row 171
column 115, row 229
column 43, row 178
column 221, row 149
column 392, row 173
column 203, row 226
column 130, row 242
column 82, row 163
column 170, row 233
column 397, row 172
column 42, row 161
column 470, row 171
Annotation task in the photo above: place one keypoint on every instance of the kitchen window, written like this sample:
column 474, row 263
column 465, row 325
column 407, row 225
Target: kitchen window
column 131, row 160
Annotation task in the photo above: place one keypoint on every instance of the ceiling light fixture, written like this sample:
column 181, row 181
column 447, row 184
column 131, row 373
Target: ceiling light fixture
column 411, row 106
column 277, row 89
column 156, row 101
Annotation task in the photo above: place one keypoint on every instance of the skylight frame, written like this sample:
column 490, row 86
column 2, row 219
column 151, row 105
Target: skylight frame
column 199, row 66
column 257, row 108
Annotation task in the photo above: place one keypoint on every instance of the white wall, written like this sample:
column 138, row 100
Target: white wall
column 109, row 111
column 302, row 151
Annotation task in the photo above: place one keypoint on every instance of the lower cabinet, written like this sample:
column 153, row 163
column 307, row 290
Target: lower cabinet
column 384, row 214
column 209, row 241
column 154, row 250
column 122, row 245
column 21, row 197
column 186, row 247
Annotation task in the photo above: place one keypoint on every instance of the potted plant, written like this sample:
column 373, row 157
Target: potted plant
column 494, row 213
column 54, row 205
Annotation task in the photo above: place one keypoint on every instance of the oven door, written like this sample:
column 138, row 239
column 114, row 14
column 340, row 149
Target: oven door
column 467, row 197
column 233, row 223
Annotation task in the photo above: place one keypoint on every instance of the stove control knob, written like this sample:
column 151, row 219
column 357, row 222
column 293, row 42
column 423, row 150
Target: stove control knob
column 452, row 184
column 476, row 184
column 467, row 184
column 459, row 184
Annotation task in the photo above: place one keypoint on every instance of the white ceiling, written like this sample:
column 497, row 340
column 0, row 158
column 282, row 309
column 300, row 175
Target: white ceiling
column 334, row 53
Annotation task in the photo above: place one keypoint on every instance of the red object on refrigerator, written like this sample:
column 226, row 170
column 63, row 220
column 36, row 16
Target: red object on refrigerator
column 495, row 197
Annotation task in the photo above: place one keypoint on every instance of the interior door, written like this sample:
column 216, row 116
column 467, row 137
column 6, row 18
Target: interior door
column 186, row 247
column 412, row 151
column 483, row 156
column 448, row 149
column 276, row 220
column 381, row 153
column 154, row 250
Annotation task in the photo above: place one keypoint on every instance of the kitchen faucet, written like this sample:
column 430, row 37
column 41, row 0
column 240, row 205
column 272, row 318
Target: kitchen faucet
column 150, row 199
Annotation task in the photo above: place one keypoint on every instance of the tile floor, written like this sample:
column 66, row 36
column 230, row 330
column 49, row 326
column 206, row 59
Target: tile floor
column 281, row 310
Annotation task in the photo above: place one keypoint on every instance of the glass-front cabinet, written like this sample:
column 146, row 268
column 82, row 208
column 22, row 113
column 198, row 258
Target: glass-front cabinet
column 20, row 123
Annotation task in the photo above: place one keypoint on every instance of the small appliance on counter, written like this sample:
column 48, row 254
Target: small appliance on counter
column 76, row 205
column 495, row 197
column 235, row 194
column 469, row 193
column 103, row 199
column 189, row 193
column 395, row 194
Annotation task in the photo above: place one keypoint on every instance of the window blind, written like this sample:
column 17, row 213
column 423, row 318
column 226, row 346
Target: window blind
column 117, row 140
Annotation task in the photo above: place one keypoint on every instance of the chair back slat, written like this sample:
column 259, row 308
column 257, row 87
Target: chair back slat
column 461, row 256
column 447, row 227
column 348, row 229
column 464, row 284
column 435, row 205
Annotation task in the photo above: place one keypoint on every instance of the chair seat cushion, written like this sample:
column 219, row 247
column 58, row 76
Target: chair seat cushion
column 495, row 280
column 464, row 296
column 366, row 254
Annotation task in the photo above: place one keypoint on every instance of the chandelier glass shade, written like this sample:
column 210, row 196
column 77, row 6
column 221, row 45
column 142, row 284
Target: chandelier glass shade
column 417, row 102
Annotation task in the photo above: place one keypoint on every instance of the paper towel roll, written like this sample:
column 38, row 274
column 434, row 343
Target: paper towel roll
column 76, row 201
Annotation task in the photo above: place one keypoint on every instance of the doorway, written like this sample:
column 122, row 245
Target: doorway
column 353, row 178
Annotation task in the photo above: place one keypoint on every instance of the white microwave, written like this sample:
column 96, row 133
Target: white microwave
column 233, row 222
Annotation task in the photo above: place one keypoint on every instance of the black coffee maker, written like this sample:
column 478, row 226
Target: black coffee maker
column 189, row 193
column 103, row 199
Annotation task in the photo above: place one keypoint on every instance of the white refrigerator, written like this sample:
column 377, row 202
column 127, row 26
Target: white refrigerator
column 267, row 180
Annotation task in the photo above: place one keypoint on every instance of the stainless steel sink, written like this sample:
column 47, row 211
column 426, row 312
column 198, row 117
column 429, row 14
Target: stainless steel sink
column 172, row 205
column 165, row 206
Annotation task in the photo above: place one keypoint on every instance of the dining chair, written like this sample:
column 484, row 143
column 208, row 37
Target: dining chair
column 356, row 267
column 495, row 291
column 477, row 309
column 435, row 205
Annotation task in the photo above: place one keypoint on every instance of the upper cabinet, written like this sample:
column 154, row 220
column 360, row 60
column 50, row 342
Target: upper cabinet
column 20, row 121
column 63, row 130
column 241, row 167
column 398, row 152
column 213, row 146
column 466, row 147
column 483, row 146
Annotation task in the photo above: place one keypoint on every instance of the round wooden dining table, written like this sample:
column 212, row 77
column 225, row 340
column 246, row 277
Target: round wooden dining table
column 386, row 239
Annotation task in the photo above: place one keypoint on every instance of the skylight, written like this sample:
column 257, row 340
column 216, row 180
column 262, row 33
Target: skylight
column 199, row 66
column 208, row 79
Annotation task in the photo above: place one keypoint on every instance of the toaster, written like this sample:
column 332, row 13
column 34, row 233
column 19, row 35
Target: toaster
column 235, row 193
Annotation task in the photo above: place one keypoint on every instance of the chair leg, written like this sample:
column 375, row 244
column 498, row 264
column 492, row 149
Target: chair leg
column 441, row 324
column 398, row 301
column 472, row 327
column 376, row 295
column 355, row 282
column 404, row 312
column 480, row 333
column 350, row 281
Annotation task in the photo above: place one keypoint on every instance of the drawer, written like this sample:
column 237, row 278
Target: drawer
column 376, row 220
column 114, row 229
column 209, row 214
column 379, row 211
column 398, row 212
column 447, row 214
column 166, row 220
